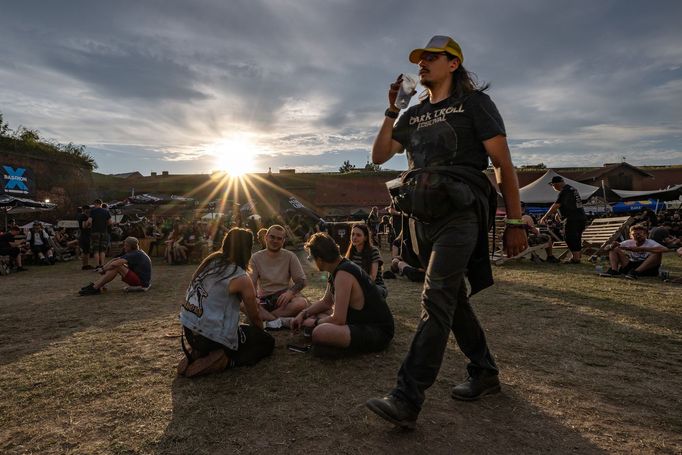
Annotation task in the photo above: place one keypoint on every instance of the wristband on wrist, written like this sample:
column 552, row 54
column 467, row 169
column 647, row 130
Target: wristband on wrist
column 305, row 314
column 514, row 221
column 391, row 114
column 317, row 320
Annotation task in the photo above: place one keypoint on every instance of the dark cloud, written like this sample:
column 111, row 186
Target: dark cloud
column 578, row 82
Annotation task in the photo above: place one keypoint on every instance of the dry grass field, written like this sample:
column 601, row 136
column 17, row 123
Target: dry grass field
column 588, row 365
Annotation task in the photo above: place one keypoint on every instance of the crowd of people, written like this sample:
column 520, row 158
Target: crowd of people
column 455, row 131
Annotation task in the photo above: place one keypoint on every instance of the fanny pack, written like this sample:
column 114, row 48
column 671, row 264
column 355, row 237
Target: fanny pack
column 428, row 195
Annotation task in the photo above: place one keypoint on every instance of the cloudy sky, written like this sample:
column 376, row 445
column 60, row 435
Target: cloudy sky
column 193, row 86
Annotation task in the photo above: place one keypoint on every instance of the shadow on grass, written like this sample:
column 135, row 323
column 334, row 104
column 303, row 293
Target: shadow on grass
column 242, row 411
column 42, row 306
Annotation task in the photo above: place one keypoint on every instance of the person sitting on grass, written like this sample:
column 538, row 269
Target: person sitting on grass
column 219, row 289
column 134, row 267
column 367, row 256
column 360, row 321
column 279, row 278
column 638, row 256
column 405, row 261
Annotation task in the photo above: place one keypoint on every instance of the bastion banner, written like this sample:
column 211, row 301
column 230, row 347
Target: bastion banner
column 16, row 181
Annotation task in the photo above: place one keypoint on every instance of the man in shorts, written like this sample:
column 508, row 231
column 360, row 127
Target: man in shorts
column 98, row 222
column 570, row 207
column 278, row 277
column 134, row 267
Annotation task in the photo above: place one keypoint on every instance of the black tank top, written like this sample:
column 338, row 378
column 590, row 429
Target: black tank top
column 375, row 310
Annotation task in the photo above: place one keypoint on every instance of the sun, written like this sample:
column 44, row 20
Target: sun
column 235, row 155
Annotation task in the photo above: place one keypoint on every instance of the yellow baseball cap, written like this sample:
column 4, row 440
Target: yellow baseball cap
column 438, row 43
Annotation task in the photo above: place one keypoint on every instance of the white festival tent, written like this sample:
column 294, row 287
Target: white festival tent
column 540, row 191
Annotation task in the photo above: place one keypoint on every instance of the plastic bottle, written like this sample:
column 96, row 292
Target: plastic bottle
column 599, row 269
column 407, row 89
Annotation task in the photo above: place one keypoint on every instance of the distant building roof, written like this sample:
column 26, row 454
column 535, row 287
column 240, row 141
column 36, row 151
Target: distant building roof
column 608, row 168
column 127, row 175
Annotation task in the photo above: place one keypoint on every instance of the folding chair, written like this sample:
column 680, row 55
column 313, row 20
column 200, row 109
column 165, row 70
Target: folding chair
column 495, row 243
column 599, row 234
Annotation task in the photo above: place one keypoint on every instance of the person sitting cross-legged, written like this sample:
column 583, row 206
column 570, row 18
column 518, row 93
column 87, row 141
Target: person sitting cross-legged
column 134, row 267
column 278, row 277
column 360, row 321
column 638, row 256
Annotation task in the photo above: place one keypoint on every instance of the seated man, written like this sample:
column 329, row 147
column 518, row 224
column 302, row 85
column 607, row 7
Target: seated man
column 360, row 320
column 278, row 278
column 9, row 246
column 638, row 256
column 134, row 267
column 536, row 238
column 39, row 241
column 661, row 235
column 405, row 261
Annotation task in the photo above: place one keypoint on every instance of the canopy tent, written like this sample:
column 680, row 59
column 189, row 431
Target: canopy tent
column 540, row 192
column 28, row 226
column 292, row 205
column 667, row 194
column 16, row 205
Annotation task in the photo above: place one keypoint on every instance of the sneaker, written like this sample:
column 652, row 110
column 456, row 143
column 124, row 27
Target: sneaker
column 399, row 412
column 631, row 275
column 610, row 273
column 87, row 267
column 475, row 388
column 552, row 260
column 571, row 261
column 89, row 291
column 99, row 269
column 275, row 324
column 88, row 286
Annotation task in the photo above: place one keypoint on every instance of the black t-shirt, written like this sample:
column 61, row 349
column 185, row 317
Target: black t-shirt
column 450, row 132
column 139, row 262
column 99, row 217
column 571, row 205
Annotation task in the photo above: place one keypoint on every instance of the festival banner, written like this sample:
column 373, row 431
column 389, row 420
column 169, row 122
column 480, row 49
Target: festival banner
column 16, row 181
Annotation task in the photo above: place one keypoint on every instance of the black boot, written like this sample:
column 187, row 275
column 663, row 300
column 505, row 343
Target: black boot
column 474, row 388
column 395, row 410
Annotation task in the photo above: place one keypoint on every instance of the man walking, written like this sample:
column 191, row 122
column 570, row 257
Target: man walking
column 570, row 207
column 449, row 136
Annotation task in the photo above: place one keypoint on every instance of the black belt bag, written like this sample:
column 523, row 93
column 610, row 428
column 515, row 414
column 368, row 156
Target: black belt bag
column 428, row 195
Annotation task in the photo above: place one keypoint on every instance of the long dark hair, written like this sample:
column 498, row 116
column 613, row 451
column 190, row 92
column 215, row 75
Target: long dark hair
column 464, row 83
column 366, row 249
column 236, row 249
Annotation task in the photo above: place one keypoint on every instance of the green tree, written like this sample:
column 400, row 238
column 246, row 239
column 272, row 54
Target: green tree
column 78, row 151
column 4, row 127
column 372, row 167
column 28, row 135
column 346, row 167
